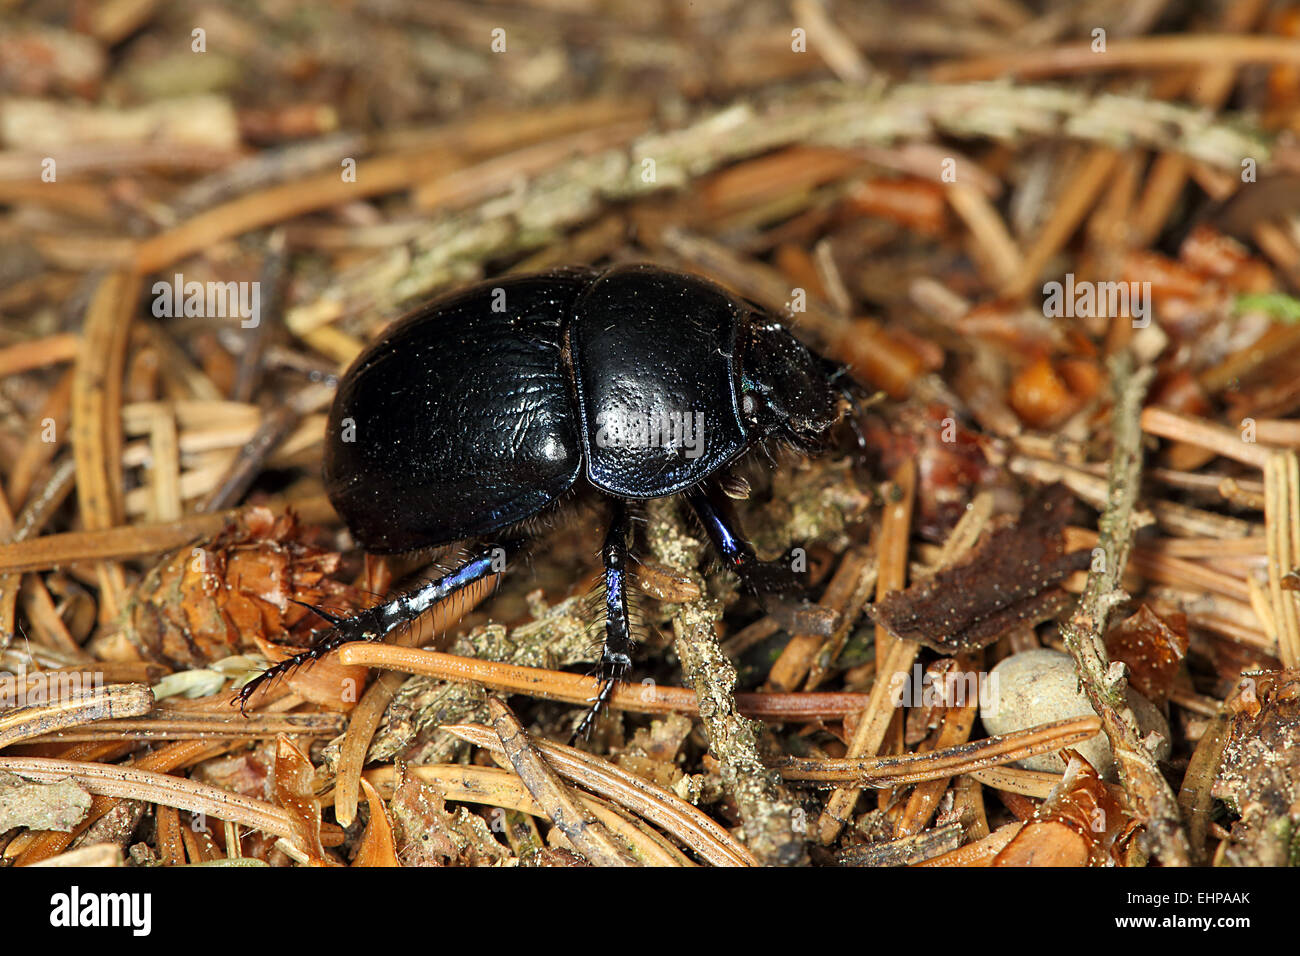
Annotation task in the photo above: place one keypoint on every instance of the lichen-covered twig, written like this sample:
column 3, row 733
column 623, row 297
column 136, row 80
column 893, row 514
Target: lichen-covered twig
column 456, row 243
column 1085, row 632
column 770, row 813
column 116, row 700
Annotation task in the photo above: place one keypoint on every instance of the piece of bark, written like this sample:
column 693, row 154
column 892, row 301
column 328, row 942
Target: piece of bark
column 1259, row 776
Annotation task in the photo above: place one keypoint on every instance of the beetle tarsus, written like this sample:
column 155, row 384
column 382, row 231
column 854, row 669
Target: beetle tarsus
column 346, row 630
column 610, row 673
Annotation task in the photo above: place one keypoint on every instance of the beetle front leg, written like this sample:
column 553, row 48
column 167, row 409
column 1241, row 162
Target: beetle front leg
column 616, row 654
column 375, row 623
column 778, row 588
column 714, row 510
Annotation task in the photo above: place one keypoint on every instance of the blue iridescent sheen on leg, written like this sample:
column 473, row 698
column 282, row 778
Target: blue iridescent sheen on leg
column 616, row 654
column 375, row 623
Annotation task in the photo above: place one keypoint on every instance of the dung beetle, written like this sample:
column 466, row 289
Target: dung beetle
column 475, row 414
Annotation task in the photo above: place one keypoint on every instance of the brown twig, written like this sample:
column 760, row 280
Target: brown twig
column 894, row 656
column 577, row 689
column 941, row 764
column 1146, row 53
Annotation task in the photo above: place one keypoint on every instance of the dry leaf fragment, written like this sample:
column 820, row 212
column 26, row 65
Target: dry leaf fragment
column 377, row 846
column 652, row 752
column 428, row 834
column 1081, row 823
column 1010, row 576
column 1153, row 648
column 295, row 791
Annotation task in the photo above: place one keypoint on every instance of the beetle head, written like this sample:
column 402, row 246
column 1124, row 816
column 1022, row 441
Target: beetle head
column 786, row 389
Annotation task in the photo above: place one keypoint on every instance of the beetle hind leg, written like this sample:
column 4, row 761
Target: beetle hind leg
column 375, row 623
column 616, row 653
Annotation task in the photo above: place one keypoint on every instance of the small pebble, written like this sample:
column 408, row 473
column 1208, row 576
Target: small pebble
column 1041, row 686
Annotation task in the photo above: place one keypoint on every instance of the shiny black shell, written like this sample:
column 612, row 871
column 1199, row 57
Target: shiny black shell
column 478, row 410
column 461, row 418
column 647, row 346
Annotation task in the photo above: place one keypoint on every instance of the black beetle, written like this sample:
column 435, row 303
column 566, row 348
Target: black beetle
column 482, row 409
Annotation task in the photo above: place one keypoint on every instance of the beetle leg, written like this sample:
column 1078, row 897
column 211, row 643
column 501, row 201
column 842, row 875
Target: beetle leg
column 377, row 622
column 775, row 583
column 616, row 655
column 715, row 512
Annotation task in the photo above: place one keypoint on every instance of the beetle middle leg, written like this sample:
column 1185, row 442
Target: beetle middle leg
column 616, row 654
column 377, row 622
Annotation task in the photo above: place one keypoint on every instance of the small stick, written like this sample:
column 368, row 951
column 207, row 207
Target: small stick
column 894, row 656
column 133, row 541
column 132, row 783
column 1197, row 431
column 921, row 804
column 989, row 231
column 191, row 726
column 846, row 593
column 1140, row 53
column 38, row 353
column 1086, row 182
column 577, row 689
column 37, row 452
column 97, row 423
column 117, row 700
column 1282, row 524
